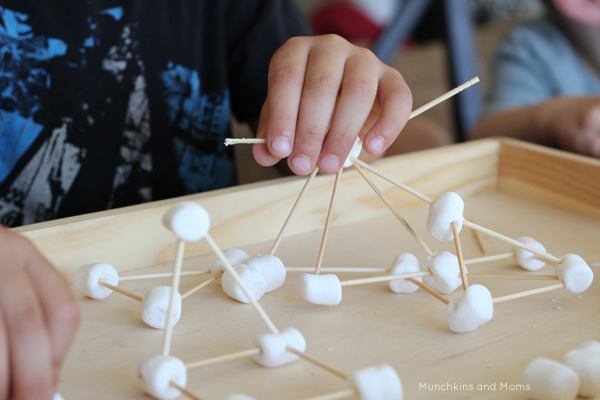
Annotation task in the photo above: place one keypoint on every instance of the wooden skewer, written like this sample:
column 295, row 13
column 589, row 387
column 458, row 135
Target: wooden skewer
column 185, row 391
column 163, row 275
column 526, row 293
column 119, row 290
column 394, row 211
column 261, row 312
column 336, row 185
column 545, row 256
column 166, row 345
column 340, row 394
column 429, row 290
column 459, row 255
column 479, row 241
column 223, row 358
column 339, row 269
column 308, row 358
column 280, row 235
column 230, row 141
column 516, row 277
column 495, row 257
column 385, row 278
column 201, row 285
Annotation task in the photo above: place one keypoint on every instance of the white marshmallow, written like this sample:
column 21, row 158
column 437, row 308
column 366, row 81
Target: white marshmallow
column 446, row 273
column 272, row 269
column 254, row 281
column 474, row 308
column 447, row 208
column 238, row 396
column 354, row 152
column 87, row 276
column 402, row 264
column 320, row 289
column 587, row 365
column 377, row 383
column 526, row 259
column 550, row 380
column 57, row 396
column 189, row 221
column 590, row 345
column 273, row 352
column 155, row 307
column 574, row 272
column 234, row 256
column 155, row 375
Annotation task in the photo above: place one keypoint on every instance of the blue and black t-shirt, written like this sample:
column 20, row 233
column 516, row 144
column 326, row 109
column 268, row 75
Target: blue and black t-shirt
column 107, row 103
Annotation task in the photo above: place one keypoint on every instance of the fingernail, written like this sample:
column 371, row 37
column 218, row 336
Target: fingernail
column 376, row 144
column 281, row 147
column 329, row 162
column 301, row 164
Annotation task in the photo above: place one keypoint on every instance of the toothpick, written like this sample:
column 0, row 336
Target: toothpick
column 528, row 293
column 479, row 241
column 459, row 255
column 224, row 358
column 545, row 256
column 315, row 362
column 367, row 270
column 230, row 141
column 385, row 278
column 261, row 312
column 166, row 345
column 391, row 180
column 163, row 275
column 336, row 185
column 119, row 290
column 515, row 276
column 340, row 394
column 394, row 211
column 429, row 290
column 185, row 391
column 495, row 257
column 201, row 285
column 280, row 235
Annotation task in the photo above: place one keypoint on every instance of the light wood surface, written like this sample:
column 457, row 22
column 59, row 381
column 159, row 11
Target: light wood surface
column 372, row 325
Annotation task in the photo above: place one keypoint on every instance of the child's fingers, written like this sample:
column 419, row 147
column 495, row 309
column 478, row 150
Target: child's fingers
column 4, row 360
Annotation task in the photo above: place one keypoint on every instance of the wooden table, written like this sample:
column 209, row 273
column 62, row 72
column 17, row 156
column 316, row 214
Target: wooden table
column 514, row 188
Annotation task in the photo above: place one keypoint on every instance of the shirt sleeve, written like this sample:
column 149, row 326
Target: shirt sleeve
column 256, row 29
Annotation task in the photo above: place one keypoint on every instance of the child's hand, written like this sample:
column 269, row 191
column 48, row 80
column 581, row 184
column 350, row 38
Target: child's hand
column 322, row 90
column 38, row 320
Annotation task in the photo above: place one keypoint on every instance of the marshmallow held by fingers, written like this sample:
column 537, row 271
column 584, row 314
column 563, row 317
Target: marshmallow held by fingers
column 377, row 383
column 447, row 208
column 574, row 272
column 155, row 307
column 57, row 396
column 320, row 289
column 155, row 375
column 402, row 264
column 87, row 277
column 252, row 279
column 526, row 259
column 445, row 271
column 271, row 268
column 586, row 364
column 273, row 347
column 234, row 256
column 354, row 152
column 188, row 221
column 550, row 380
column 474, row 308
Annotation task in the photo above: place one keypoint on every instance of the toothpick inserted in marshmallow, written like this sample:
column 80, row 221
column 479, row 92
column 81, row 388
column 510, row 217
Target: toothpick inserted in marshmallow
column 188, row 221
column 87, row 276
column 574, row 272
column 254, row 281
column 273, row 348
column 473, row 309
column 526, row 259
column 445, row 273
column 155, row 375
column 354, row 152
column 377, row 383
column 271, row 268
column 447, row 208
column 234, row 256
column 155, row 307
column 402, row 264
column 550, row 380
column 320, row 289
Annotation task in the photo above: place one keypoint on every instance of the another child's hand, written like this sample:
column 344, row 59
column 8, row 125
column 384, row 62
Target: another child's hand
column 322, row 91
column 38, row 320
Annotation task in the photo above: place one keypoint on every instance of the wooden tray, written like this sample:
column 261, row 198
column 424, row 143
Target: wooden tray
column 512, row 187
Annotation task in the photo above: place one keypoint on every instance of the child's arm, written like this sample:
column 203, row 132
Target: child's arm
column 38, row 320
column 321, row 92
